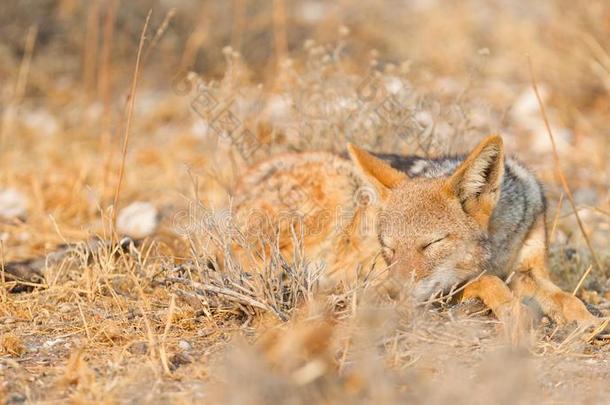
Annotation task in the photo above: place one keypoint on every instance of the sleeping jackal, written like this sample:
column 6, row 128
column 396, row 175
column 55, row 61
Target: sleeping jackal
column 434, row 222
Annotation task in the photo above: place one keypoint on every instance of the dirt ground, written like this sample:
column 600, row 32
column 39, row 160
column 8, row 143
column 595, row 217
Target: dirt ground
column 99, row 141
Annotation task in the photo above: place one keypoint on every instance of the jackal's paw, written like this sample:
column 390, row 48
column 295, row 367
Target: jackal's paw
column 572, row 310
column 494, row 293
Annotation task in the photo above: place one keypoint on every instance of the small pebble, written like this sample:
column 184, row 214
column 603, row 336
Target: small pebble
column 138, row 220
column 138, row 348
column 13, row 204
column 184, row 345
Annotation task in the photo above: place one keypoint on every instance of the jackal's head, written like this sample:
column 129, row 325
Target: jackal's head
column 436, row 231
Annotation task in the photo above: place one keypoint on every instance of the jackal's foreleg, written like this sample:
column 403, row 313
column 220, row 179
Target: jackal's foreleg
column 532, row 281
column 495, row 294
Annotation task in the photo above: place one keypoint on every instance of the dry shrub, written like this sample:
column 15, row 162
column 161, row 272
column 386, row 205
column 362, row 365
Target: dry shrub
column 11, row 345
column 77, row 372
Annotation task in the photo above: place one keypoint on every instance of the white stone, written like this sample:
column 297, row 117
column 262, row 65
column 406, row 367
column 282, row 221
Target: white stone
column 13, row 204
column 138, row 220
column 393, row 84
column 184, row 345
column 312, row 11
column 41, row 122
column 527, row 104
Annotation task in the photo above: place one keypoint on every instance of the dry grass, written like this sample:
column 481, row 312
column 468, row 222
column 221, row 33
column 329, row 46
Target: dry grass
column 153, row 321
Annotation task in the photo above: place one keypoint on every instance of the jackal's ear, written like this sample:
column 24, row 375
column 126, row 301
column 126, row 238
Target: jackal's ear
column 383, row 176
column 476, row 183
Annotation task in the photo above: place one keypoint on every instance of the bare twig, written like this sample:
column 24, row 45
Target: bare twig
column 159, row 33
column 90, row 54
column 230, row 295
column 168, row 324
column 562, row 178
column 132, row 100
column 279, row 31
column 24, row 69
column 20, row 87
column 556, row 218
column 453, row 292
column 239, row 14
column 582, row 279
column 104, row 75
column 105, row 94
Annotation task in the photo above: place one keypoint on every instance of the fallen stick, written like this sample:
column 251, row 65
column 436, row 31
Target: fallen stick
column 29, row 273
column 230, row 295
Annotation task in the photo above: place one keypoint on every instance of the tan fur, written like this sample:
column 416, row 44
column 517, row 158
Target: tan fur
column 430, row 231
column 377, row 171
column 533, row 281
column 319, row 198
column 494, row 293
column 479, row 195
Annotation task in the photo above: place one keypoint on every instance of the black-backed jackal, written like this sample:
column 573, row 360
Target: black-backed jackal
column 436, row 222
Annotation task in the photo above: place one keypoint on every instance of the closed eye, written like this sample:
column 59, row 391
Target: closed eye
column 427, row 245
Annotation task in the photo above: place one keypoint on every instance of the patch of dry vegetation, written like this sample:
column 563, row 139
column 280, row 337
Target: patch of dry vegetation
column 153, row 320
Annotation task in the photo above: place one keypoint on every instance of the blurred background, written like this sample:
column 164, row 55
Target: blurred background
column 461, row 69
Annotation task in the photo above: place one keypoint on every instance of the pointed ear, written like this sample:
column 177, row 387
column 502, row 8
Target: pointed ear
column 476, row 182
column 383, row 176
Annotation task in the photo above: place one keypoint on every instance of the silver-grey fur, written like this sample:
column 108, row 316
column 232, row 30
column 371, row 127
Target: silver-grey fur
column 521, row 203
